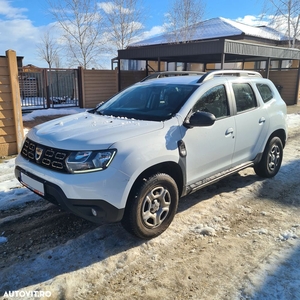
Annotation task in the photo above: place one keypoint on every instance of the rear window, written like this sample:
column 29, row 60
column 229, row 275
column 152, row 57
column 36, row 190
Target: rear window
column 265, row 92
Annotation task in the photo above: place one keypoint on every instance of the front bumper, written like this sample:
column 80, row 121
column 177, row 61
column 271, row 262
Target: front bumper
column 80, row 207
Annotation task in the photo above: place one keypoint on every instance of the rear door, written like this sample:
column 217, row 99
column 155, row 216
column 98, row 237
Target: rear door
column 251, row 123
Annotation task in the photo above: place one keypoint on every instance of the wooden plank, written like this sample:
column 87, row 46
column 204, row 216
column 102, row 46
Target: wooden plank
column 4, row 79
column 7, row 114
column 5, row 97
column 8, row 149
column 7, row 130
column 4, row 71
column 6, row 106
column 7, row 138
column 3, row 62
column 6, row 122
column 5, row 88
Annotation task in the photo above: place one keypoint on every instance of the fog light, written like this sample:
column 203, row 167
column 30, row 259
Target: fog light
column 94, row 212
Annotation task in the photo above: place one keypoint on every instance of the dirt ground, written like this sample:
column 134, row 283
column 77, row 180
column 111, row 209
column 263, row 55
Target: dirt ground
column 223, row 242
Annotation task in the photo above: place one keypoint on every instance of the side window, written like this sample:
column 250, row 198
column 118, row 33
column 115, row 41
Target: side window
column 265, row 92
column 214, row 101
column 244, row 96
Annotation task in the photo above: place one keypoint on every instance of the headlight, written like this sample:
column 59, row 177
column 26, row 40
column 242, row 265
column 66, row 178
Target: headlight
column 89, row 161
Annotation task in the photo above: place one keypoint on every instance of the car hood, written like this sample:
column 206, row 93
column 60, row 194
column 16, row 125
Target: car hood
column 87, row 131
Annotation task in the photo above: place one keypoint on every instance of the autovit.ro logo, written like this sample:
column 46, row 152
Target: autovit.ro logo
column 23, row 294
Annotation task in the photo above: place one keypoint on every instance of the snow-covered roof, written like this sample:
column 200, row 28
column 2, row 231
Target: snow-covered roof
column 218, row 28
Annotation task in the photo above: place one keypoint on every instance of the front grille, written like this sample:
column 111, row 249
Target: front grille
column 47, row 157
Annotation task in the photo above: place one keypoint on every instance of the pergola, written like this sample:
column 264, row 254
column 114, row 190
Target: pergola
column 210, row 51
column 217, row 41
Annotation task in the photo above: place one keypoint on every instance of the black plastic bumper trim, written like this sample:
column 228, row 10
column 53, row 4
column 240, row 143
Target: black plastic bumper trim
column 80, row 207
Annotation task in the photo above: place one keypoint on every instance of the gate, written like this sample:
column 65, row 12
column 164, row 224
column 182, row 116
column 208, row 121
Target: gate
column 48, row 88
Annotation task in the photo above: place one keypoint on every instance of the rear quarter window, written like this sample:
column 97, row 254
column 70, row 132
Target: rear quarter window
column 265, row 92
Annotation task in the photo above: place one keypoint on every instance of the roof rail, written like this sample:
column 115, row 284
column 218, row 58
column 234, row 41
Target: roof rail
column 242, row 73
column 171, row 74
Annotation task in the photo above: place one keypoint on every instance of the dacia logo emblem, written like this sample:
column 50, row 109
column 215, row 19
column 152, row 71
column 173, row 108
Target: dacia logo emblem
column 38, row 153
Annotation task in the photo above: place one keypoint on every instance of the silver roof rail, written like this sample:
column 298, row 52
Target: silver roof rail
column 171, row 74
column 239, row 73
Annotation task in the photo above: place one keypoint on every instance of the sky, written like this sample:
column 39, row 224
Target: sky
column 22, row 22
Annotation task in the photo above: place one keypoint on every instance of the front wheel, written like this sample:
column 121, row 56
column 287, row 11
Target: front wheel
column 151, row 207
column 271, row 159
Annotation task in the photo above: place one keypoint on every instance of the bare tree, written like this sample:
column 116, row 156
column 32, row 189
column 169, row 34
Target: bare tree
column 123, row 20
column 47, row 48
column 286, row 16
column 182, row 17
column 57, row 62
column 82, row 28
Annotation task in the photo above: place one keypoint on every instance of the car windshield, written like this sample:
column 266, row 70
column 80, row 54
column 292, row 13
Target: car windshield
column 155, row 102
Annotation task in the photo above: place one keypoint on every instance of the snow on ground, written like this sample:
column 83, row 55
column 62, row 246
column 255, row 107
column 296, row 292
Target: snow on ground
column 12, row 194
column 50, row 112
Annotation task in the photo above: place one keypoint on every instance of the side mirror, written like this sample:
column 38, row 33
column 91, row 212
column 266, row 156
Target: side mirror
column 200, row 119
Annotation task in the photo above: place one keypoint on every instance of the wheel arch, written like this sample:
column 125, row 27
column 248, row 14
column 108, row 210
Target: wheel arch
column 279, row 133
column 170, row 168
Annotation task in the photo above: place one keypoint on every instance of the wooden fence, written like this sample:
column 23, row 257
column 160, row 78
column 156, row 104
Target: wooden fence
column 287, row 80
column 11, row 123
column 99, row 85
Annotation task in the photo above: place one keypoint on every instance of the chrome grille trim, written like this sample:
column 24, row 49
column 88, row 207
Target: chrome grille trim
column 49, row 157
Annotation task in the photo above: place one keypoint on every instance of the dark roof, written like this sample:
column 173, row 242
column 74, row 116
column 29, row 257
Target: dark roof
column 212, row 39
column 209, row 51
column 217, row 28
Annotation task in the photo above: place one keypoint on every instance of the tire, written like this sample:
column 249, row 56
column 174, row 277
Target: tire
column 271, row 160
column 151, row 207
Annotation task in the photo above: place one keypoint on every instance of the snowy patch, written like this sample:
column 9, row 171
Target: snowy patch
column 287, row 235
column 205, row 230
column 51, row 112
column 3, row 239
column 293, row 120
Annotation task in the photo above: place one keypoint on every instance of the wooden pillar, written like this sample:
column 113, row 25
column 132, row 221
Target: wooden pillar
column 11, row 121
column 222, row 61
column 81, row 87
column 268, row 64
column 119, row 75
column 298, row 86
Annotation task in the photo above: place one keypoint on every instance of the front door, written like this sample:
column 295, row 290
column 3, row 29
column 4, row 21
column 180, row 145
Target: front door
column 210, row 149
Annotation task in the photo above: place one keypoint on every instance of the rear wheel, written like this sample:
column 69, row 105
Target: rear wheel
column 271, row 159
column 152, row 207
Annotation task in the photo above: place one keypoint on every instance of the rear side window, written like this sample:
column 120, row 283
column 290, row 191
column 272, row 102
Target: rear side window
column 265, row 92
column 244, row 96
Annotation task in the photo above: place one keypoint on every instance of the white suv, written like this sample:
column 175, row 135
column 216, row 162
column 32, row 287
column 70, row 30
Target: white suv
column 132, row 158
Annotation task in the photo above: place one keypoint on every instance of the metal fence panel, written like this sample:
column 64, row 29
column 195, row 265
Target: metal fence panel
column 48, row 88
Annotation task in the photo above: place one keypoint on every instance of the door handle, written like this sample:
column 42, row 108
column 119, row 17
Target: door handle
column 262, row 120
column 229, row 131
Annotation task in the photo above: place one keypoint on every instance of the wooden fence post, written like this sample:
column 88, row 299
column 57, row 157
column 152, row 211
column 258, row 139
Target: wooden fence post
column 81, row 93
column 12, row 133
